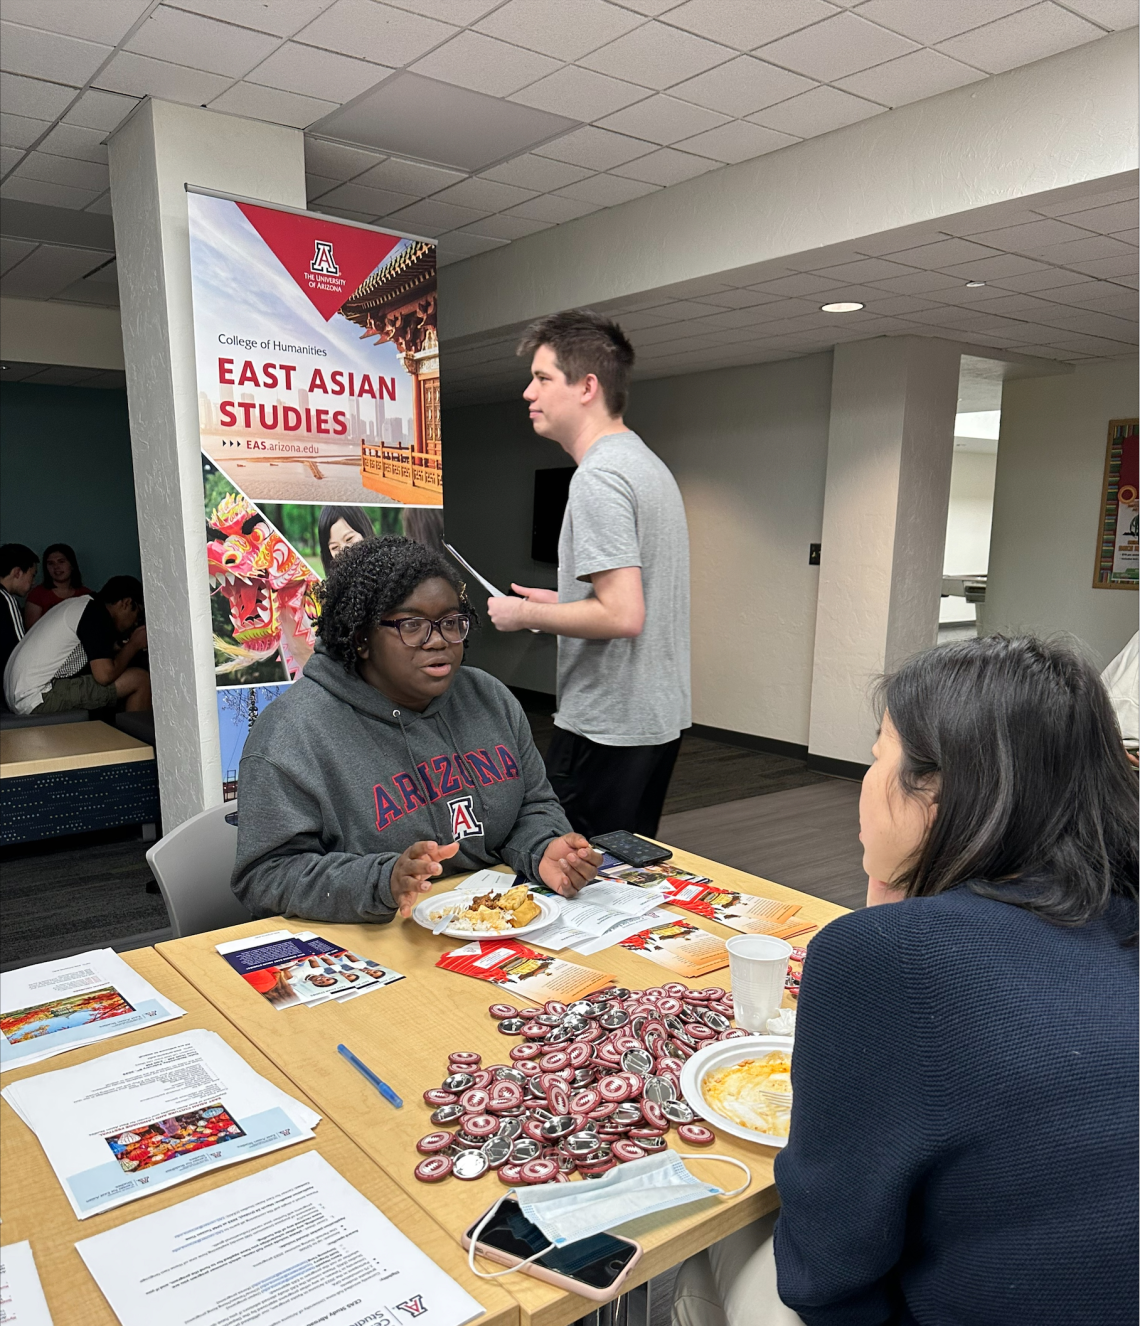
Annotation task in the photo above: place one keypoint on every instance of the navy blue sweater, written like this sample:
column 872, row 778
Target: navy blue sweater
column 964, row 1138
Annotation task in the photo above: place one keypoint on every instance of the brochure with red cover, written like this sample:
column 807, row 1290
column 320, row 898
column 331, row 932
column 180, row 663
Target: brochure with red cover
column 524, row 971
column 746, row 912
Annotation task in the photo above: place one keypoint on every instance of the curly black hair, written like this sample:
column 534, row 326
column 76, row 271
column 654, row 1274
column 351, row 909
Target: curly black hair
column 367, row 581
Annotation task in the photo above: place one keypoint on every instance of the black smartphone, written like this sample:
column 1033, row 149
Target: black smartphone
column 630, row 848
column 594, row 1267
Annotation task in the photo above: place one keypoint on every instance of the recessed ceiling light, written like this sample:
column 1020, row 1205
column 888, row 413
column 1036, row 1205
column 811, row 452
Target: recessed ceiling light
column 844, row 306
column 974, row 285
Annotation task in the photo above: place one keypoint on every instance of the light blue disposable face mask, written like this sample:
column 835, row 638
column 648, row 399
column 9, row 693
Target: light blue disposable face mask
column 567, row 1212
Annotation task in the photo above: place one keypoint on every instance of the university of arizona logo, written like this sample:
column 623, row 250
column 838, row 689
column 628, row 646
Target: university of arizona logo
column 463, row 821
column 324, row 264
column 414, row 1307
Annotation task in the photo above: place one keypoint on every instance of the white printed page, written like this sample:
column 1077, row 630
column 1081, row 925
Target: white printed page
column 22, row 1301
column 602, row 903
column 51, row 1007
column 294, row 1244
column 143, row 1118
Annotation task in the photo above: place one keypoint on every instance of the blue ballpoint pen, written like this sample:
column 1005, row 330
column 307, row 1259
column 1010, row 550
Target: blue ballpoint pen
column 382, row 1087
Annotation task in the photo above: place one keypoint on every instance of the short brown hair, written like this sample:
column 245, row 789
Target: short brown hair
column 585, row 342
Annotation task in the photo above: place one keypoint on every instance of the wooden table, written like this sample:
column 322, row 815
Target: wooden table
column 405, row 1033
column 33, row 1205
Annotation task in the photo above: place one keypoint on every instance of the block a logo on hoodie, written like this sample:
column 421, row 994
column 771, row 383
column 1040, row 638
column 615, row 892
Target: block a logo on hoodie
column 463, row 821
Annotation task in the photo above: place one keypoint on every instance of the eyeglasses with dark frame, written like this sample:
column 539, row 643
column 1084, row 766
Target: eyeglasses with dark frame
column 417, row 631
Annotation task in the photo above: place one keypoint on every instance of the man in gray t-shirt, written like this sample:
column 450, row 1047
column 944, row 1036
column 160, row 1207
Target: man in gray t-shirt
column 622, row 608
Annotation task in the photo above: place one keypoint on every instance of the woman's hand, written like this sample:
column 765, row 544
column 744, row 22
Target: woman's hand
column 878, row 892
column 568, row 864
column 414, row 871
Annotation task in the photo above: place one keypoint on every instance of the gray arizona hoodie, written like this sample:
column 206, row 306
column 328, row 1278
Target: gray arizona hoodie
column 336, row 781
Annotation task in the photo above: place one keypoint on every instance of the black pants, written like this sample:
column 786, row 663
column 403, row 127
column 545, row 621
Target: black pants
column 603, row 788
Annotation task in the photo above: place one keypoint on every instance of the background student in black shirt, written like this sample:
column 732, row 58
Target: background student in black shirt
column 17, row 575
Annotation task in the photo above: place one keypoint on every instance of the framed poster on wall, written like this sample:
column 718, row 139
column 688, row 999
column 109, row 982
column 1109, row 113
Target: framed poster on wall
column 1118, row 541
column 318, row 402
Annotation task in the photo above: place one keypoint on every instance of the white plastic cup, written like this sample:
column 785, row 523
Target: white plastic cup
column 759, row 967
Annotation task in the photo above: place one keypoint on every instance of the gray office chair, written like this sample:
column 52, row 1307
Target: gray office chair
column 193, row 865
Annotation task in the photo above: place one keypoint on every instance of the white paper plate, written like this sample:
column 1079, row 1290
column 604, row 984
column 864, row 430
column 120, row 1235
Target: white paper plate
column 548, row 909
column 723, row 1054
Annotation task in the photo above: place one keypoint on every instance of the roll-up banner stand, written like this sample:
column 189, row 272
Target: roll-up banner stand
column 318, row 401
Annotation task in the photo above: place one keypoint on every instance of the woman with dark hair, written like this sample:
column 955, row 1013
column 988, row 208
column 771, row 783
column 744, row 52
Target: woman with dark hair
column 388, row 763
column 338, row 528
column 963, row 1145
column 62, row 580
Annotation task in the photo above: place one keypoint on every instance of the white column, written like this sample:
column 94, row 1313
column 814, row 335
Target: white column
column 890, row 447
column 160, row 149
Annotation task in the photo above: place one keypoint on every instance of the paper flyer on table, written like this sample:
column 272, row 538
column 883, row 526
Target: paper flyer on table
column 683, row 948
column 600, row 904
column 646, row 877
column 143, row 1118
column 22, row 1301
column 292, row 1246
column 51, row 1007
column 746, row 912
column 524, row 971
column 561, row 935
column 291, row 970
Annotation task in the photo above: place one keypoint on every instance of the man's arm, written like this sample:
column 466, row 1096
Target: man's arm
column 108, row 670
column 615, row 611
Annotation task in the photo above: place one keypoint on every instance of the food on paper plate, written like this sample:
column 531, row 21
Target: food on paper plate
column 748, row 1093
column 495, row 913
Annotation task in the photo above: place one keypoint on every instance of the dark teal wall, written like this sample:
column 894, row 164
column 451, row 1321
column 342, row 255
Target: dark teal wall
column 66, row 475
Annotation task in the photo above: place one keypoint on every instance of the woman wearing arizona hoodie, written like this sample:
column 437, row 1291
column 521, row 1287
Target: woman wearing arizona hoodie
column 387, row 758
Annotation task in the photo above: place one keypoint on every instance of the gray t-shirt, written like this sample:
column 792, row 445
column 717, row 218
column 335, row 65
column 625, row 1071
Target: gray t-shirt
column 625, row 509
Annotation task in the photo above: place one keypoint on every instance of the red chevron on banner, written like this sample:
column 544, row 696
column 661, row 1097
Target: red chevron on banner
column 328, row 261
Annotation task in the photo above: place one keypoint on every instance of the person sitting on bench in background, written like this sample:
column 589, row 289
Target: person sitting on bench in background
column 17, row 575
column 72, row 659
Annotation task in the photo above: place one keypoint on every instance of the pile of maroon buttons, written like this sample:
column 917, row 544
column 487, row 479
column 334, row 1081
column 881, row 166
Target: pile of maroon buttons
column 590, row 1085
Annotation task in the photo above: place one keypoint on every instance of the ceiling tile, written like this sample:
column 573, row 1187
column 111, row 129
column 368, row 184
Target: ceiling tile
column 744, row 298
column 744, row 24
column 1031, row 237
column 312, row 72
column 657, row 56
column 564, row 31
column 100, row 110
column 9, row 156
column 864, row 269
column 65, row 170
column 816, row 112
column 49, row 269
column 369, row 202
column 32, row 97
column 13, row 251
column 49, row 55
column 483, row 64
column 1085, row 250
column 390, row 35
column 945, row 253
column 1105, row 220
column 43, row 191
column 1089, row 345
column 921, row 283
column 597, row 148
column 737, row 141
column 106, row 22
column 837, row 46
column 487, row 195
column 663, row 119
column 335, row 160
column 463, row 12
column 409, row 177
column 20, row 131
column 607, row 190
column 271, row 104
column 317, row 185
column 802, row 283
column 929, row 23
column 910, row 78
column 992, row 269
column 281, row 17
column 431, row 218
column 70, row 140
column 742, row 86
column 1114, row 14
column 201, row 43
column 1030, row 34
column 550, row 207
column 140, row 76
column 1121, row 267
column 505, row 227
column 650, row 8
column 101, row 205
column 345, row 212
column 531, row 172
column 666, row 166
column 1044, row 278
column 1128, row 236
column 579, row 93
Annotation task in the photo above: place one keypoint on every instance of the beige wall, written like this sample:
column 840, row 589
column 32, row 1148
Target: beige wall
column 1046, row 501
column 968, row 518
